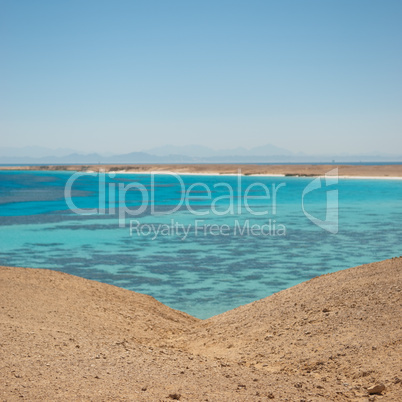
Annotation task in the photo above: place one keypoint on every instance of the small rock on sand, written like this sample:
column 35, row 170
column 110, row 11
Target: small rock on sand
column 376, row 389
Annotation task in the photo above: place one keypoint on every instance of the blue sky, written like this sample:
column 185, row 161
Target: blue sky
column 119, row 76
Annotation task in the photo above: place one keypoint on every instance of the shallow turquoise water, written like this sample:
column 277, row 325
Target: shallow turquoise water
column 201, row 273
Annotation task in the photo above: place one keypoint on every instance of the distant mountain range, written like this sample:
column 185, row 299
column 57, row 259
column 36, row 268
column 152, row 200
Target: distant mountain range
column 205, row 152
column 180, row 154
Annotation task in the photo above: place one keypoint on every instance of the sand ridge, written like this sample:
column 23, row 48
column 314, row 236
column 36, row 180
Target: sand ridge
column 331, row 338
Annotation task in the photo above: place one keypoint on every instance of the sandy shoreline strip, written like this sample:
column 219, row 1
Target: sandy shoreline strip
column 391, row 172
column 333, row 338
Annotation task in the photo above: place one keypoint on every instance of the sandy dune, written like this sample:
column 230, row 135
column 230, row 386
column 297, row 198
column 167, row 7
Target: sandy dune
column 331, row 338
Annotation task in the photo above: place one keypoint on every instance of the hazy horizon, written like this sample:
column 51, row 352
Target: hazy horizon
column 116, row 77
column 186, row 154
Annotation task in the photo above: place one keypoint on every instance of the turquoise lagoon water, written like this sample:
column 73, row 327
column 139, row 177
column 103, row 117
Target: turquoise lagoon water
column 204, row 272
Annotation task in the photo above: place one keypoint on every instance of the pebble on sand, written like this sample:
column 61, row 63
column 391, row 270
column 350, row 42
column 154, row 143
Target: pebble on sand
column 376, row 389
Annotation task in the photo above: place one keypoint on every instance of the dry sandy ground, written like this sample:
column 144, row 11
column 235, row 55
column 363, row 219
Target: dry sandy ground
column 290, row 170
column 328, row 339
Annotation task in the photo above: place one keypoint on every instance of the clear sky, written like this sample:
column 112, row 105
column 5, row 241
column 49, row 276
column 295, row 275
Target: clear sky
column 316, row 76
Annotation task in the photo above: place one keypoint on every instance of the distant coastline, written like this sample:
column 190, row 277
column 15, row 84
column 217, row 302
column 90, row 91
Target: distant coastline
column 385, row 171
